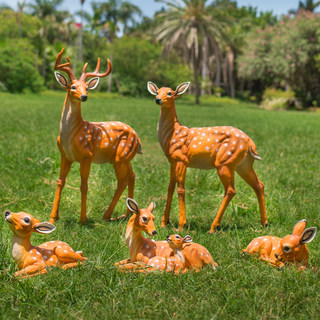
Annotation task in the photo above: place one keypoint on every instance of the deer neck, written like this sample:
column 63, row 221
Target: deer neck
column 71, row 119
column 168, row 122
column 134, row 239
column 20, row 247
column 178, row 253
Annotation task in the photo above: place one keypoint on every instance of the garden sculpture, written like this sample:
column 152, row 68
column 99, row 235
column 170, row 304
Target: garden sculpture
column 225, row 148
column 34, row 260
column 187, row 256
column 87, row 142
column 290, row 249
column 141, row 248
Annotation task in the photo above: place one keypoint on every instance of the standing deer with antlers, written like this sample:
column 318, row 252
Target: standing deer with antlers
column 87, row 142
column 225, row 148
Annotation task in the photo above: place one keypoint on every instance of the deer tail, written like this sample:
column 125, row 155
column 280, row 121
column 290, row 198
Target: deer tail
column 253, row 151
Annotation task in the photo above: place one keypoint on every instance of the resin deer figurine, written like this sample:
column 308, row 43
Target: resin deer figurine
column 290, row 249
column 86, row 142
column 34, row 260
column 225, row 148
column 187, row 256
column 141, row 249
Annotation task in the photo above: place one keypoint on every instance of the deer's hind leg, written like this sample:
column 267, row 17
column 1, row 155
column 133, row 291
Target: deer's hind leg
column 226, row 176
column 247, row 173
column 130, row 179
column 121, row 169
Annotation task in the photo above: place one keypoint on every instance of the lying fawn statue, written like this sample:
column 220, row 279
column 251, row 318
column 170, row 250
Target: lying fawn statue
column 291, row 249
column 187, row 256
column 225, row 148
column 140, row 248
column 34, row 260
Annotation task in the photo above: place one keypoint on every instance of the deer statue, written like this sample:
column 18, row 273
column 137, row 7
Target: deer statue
column 87, row 142
column 34, row 260
column 187, row 256
column 141, row 249
column 225, row 148
column 291, row 249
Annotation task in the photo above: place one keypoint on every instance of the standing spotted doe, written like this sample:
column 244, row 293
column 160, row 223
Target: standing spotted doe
column 290, row 249
column 34, row 260
column 86, row 142
column 225, row 148
column 141, row 249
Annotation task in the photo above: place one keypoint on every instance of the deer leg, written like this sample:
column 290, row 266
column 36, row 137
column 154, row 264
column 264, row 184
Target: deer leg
column 85, row 166
column 64, row 170
column 247, row 173
column 172, row 186
column 121, row 170
column 71, row 265
column 33, row 270
column 181, row 171
column 130, row 179
column 226, row 176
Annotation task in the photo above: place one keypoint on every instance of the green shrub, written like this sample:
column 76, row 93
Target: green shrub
column 17, row 66
column 275, row 99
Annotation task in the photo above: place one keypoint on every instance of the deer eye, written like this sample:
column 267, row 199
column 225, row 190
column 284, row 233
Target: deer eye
column 286, row 249
column 26, row 220
column 177, row 237
column 169, row 94
column 73, row 87
column 144, row 219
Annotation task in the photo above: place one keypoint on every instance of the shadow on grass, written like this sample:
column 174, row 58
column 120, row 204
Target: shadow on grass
column 70, row 222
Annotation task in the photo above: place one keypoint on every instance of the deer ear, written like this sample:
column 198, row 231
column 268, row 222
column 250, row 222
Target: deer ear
column 182, row 88
column 187, row 239
column 44, row 227
column 132, row 205
column 299, row 227
column 152, row 88
column 92, row 83
column 152, row 206
column 62, row 80
column 308, row 235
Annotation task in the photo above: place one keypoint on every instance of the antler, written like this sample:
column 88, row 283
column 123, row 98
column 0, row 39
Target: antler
column 96, row 73
column 66, row 67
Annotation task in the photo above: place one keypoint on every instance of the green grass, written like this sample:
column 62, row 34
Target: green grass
column 242, row 288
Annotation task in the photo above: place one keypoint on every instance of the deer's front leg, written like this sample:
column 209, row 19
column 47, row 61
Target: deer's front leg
column 33, row 270
column 64, row 170
column 172, row 186
column 85, row 166
column 181, row 171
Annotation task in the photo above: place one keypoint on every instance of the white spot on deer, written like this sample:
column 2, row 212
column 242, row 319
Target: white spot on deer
column 38, row 252
column 256, row 243
column 201, row 253
column 51, row 259
column 216, row 131
column 114, row 147
column 194, row 145
column 208, row 140
column 122, row 144
column 241, row 147
column 85, row 127
column 203, row 134
column 233, row 142
column 45, row 245
column 132, row 139
column 148, row 254
column 229, row 153
column 207, row 148
column 217, row 140
column 274, row 248
column 34, row 258
column 59, row 247
column 65, row 251
column 194, row 138
column 200, row 142
column 173, row 140
column 177, row 131
column 242, row 136
column 86, row 136
column 45, row 257
column 81, row 138
column 227, row 133
column 184, row 132
column 191, row 131
column 111, row 139
column 106, row 144
column 126, row 127
column 99, row 138
column 265, row 239
column 225, row 144
column 237, row 134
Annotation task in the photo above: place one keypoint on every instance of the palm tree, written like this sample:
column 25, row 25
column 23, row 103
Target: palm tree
column 196, row 29
column 111, row 15
column 46, row 11
column 307, row 5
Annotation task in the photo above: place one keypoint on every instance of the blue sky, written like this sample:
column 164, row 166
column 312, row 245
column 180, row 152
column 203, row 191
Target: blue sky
column 148, row 7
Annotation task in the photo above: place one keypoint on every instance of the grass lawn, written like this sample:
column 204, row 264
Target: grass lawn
column 242, row 288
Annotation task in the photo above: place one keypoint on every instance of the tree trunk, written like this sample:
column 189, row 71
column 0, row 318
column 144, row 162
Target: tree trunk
column 230, row 57
column 110, row 75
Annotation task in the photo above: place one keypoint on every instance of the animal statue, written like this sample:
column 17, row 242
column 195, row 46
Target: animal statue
column 86, row 142
column 141, row 249
column 291, row 249
column 187, row 256
column 225, row 148
column 34, row 260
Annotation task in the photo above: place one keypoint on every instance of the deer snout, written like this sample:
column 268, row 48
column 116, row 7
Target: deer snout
column 7, row 213
column 158, row 101
column 154, row 232
column 84, row 97
column 276, row 255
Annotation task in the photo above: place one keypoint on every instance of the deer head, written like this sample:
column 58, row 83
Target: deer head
column 143, row 218
column 177, row 242
column 166, row 96
column 293, row 247
column 23, row 224
column 77, row 89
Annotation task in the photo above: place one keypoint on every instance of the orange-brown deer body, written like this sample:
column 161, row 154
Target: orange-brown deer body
column 86, row 142
column 34, row 260
column 141, row 248
column 290, row 249
column 225, row 148
column 187, row 256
